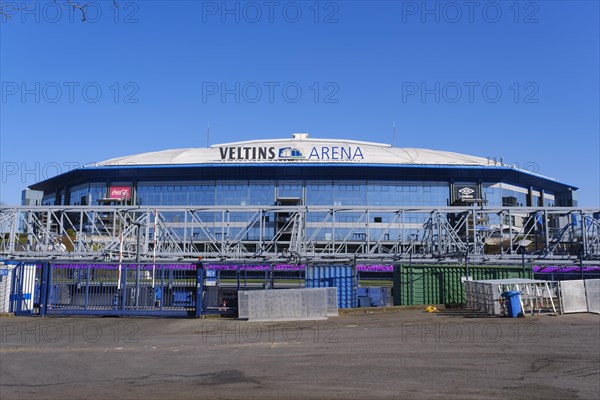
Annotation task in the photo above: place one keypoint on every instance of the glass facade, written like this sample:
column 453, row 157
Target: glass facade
column 312, row 193
column 321, row 193
column 205, row 194
column 154, row 194
column 328, row 193
column 503, row 195
column 49, row 199
column 549, row 200
column 87, row 194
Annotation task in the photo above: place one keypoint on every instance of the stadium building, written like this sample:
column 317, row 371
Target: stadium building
column 299, row 199
column 302, row 171
column 295, row 206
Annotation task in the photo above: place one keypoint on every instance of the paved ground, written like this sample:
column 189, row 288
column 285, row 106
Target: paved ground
column 408, row 354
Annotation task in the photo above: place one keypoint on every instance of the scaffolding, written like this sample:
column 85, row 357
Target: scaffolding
column 302, row 234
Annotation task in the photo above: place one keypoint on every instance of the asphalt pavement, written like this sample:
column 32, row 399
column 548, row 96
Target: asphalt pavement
column 396, row 355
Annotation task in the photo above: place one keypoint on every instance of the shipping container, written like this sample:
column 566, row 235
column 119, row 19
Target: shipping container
column 342, row 277
column 443, row 284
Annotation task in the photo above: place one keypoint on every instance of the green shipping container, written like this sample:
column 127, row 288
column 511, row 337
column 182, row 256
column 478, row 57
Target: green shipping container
column 435, row 284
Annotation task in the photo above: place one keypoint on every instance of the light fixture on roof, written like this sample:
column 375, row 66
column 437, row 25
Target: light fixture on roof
column 300, row 136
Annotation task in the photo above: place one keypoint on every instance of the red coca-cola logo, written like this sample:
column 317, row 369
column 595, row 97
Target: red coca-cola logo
column 120, row 192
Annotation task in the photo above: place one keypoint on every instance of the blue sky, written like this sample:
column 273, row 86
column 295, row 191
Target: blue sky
column 517, row 80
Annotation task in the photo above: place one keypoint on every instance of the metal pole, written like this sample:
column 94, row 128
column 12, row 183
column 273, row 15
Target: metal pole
column 87, row 286
column 467, row 264
column 501, row 220
column 44, row 287
column 120, row 259
column 137, row 266
column 199, row 289
column 510, row 233
column 546, row 233
column 581, row 262
column 123, row 278
column 523, row 262
column 474, row 222
column 584, row 241
column 412, row 288
column 154, row 246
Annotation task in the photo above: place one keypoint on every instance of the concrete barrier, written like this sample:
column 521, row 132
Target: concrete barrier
column 332, row 302
column 572, row 297
column 592, row 293
column 287, row 304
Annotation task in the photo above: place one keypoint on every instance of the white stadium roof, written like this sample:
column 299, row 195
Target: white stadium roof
column 305, row 150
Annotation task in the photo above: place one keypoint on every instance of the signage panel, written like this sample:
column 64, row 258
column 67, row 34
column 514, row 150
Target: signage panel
column 309, row 153
column 119, row 192
column 211, row 273
column 464, row 192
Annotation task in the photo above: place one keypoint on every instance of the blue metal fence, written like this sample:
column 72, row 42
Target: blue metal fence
column 109, row 289
column 146, row 289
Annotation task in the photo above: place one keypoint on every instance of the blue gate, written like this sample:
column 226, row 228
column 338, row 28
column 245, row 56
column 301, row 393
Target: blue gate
column 24, row 287
column 110, row 289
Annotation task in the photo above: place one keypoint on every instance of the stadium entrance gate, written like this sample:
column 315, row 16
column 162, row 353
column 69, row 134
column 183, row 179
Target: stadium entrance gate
column 107, row 289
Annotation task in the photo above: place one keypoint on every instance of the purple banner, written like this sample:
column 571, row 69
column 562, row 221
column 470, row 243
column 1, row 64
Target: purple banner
column 245, row 267
column 546, row 269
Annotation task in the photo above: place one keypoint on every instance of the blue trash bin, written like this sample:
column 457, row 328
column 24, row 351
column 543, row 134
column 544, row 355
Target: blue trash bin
column 512, row 302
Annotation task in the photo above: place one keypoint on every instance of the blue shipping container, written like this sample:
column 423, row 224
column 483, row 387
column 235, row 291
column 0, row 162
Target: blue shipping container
column 342, row 277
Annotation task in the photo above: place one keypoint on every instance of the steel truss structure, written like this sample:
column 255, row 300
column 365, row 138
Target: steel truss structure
column 301, row 234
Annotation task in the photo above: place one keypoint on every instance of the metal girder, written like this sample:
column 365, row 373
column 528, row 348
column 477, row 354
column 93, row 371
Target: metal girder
column 301, row 234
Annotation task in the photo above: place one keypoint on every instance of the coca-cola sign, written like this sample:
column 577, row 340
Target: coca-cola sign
column 119, row 192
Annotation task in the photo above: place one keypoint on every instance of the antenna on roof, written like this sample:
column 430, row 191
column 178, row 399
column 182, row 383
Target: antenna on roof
column 208, row 135
column 393, row 133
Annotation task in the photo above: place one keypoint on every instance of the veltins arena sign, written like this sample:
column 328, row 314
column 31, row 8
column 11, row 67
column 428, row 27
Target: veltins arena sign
column 314, row 153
